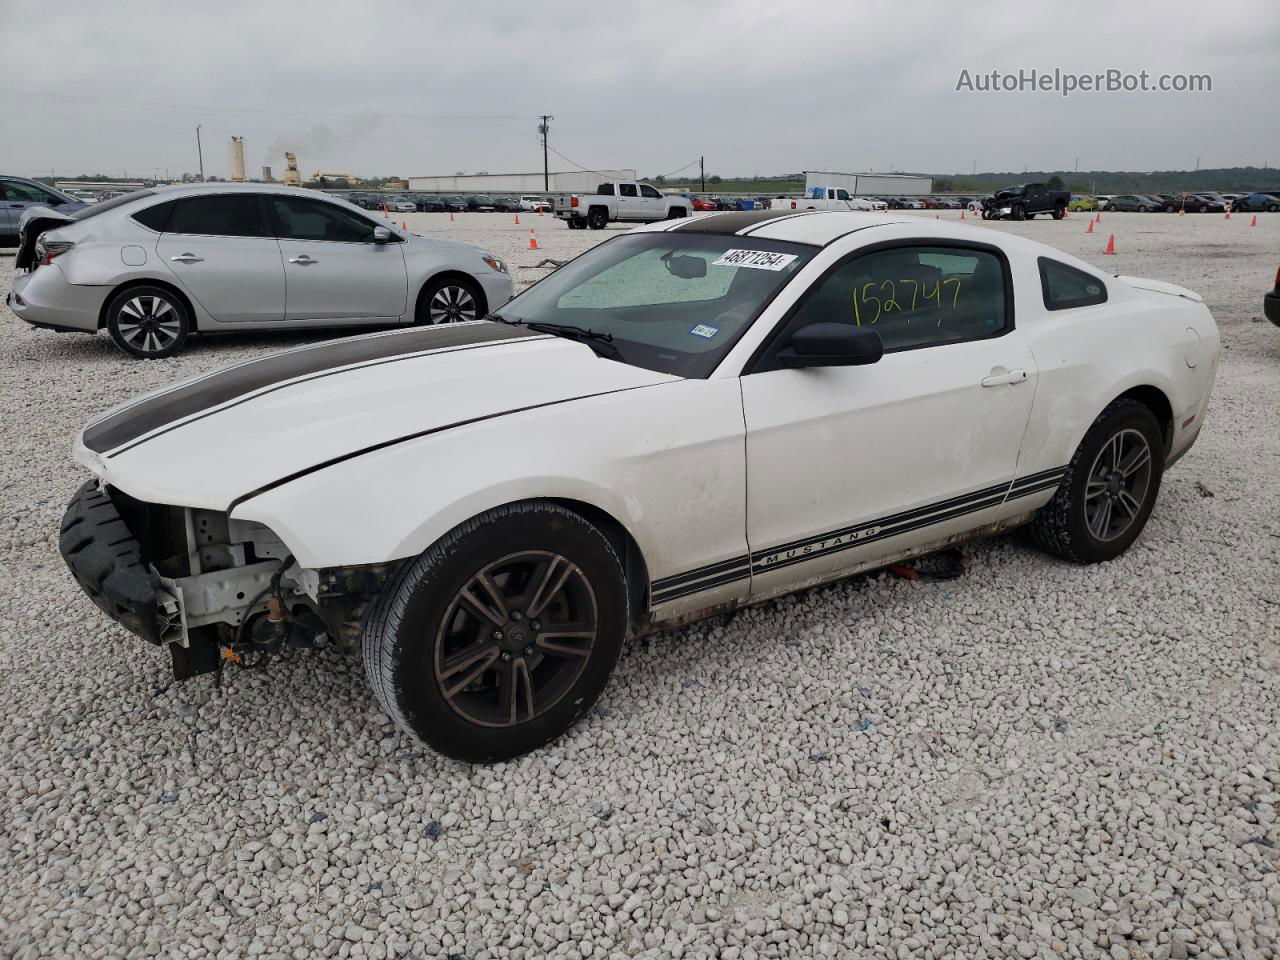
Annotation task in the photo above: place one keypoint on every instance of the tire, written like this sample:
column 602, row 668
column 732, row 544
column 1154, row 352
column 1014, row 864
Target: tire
column 421, row 620
column 1144, row 209
column 449, row 300
column 1058, row 212
column 1069, row 524
column 675, row 213
column 1272, row 208
column 148, row 322
column 597, row 218
column 1019, row 213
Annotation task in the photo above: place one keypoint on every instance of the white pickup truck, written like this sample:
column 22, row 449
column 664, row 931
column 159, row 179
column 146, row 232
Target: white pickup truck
column 624, row 200
column 827, row 198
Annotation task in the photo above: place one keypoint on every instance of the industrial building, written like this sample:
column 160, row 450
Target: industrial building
column 868, row 184
column 572, row 181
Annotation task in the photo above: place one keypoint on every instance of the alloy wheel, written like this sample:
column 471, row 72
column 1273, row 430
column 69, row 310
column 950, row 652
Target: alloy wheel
column 149, row 323
column 516, row 638
column 452, row 304
column 1117, row 485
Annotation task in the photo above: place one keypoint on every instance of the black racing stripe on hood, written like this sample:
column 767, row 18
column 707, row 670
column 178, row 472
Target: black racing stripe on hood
column 298, row 474
column 141, row 418
column 730, row 223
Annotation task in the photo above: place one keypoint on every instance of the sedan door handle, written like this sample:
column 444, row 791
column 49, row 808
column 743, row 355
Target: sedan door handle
column 304, row 260
column 187, row 258
column 999, row 379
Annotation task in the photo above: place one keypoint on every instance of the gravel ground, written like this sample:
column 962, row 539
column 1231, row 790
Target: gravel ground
column 1038, row 760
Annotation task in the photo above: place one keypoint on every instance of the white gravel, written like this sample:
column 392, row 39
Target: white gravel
column 1039, row 760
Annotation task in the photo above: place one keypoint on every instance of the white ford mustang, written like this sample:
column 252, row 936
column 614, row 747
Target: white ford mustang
column 687, row 418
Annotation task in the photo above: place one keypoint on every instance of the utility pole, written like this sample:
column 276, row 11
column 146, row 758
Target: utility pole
column 543, row 127
column 200, row 153
column 702, row 169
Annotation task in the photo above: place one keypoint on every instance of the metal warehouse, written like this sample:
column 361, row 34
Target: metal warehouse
column 491, row 183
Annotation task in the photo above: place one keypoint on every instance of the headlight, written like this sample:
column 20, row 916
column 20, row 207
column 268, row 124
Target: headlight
column 495, row 263
column 1004, row 210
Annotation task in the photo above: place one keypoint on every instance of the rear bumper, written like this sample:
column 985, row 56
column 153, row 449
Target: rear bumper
column 44, row 298
column 106, row 560
column 1271, row 306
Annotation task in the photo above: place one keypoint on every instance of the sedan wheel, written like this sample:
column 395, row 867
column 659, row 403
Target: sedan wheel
column 1109, row 488
column 449, row 301
column 148, row 322
column 502, row 634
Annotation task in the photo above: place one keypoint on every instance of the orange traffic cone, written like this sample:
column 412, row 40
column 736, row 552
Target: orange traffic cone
column 962, row 214
column 1090, row 230
column 1066, row 214
column 451, row 216
column 533, row 239
column 1098, row 217
column 404, row 225
column 1111, row 246
column 1228, row 214
column 539, row 211
column 385, row 213
column 1254, row 221
column 517, row 219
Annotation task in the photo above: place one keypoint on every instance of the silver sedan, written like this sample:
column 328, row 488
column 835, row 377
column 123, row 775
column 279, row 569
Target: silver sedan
column 155, row 266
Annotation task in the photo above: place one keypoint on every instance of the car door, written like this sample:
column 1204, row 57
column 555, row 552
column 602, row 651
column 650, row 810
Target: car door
column 654, row 204
column 218, row 248
column 334, row 270
column 8, row 221
column 630, row 204
column 847, row 465
column 18, row 197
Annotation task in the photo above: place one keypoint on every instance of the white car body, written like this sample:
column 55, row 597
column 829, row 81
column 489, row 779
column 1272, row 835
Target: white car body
column 534, row 204
column 733, row 488
column 830, row 198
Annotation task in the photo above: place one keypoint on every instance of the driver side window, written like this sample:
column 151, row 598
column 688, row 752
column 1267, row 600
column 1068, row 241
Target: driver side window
column 912, row 296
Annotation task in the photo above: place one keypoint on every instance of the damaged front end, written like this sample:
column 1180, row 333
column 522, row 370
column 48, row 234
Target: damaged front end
column 211, row 588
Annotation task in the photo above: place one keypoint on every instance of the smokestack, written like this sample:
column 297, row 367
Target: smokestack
column 235, row 156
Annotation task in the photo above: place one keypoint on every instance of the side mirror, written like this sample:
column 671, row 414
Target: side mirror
column 381, row 235
column 685, row 267
column 832, row 345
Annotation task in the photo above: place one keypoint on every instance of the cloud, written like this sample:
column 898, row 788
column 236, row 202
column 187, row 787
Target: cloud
column 420, row 88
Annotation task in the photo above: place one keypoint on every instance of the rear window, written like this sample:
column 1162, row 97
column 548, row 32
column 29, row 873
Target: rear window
column 102, row 206
column 1064, row 287
column 219, row 215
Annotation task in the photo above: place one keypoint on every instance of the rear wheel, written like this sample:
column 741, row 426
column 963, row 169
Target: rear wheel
column 1059, row 211
column 1109, row 489
column 449, row 300
column 597, row 218
column 501, row 635
column 148, row 322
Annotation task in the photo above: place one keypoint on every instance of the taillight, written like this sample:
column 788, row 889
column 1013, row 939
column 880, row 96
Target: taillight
column 573, row 201
column 793, row 204
column 47, row 250
column 1278, row 279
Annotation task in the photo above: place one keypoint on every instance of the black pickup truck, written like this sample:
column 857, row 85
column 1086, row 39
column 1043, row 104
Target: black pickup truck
column 1023, row 202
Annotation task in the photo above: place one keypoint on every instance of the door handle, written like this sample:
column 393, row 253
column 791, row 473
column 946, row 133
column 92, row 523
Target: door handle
column 304, row 260
column 998, row 379
column 187, row 258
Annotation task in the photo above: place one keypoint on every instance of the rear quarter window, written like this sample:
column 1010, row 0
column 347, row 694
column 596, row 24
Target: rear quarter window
column 155, row 217
column 1064, row 287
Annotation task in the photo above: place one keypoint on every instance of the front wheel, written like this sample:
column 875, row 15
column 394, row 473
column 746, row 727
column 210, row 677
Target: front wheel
column 448, row 300
column 1019, row 213
column 501, row 635
column 148, row 322
column 1109, row 488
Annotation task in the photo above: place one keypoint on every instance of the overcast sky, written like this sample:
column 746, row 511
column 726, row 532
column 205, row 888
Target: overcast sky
column 414, row 88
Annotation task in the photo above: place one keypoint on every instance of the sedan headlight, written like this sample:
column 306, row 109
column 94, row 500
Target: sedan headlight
column 495, row 263
column 1005, row 211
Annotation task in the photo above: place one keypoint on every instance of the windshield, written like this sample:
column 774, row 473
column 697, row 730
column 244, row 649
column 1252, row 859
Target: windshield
column 102, row 206
column 673, row 302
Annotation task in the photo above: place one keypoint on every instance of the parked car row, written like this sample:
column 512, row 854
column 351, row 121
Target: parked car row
column 436, row 203
column 1208, row 201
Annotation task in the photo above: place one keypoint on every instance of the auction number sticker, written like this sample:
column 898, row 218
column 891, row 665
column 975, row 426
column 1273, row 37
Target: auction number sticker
column 755, row 259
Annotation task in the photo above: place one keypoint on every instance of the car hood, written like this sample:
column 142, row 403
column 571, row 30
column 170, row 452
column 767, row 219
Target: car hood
column 212, row 441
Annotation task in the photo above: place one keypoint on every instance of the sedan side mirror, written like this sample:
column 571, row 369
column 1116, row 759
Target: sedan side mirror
column 832, row 345
column 381, row 235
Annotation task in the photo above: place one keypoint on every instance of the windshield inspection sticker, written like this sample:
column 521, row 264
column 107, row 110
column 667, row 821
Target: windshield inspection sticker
column 755, row 259
column 703, row 330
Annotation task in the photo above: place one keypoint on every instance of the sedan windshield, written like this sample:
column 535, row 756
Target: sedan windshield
column 673, row 302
